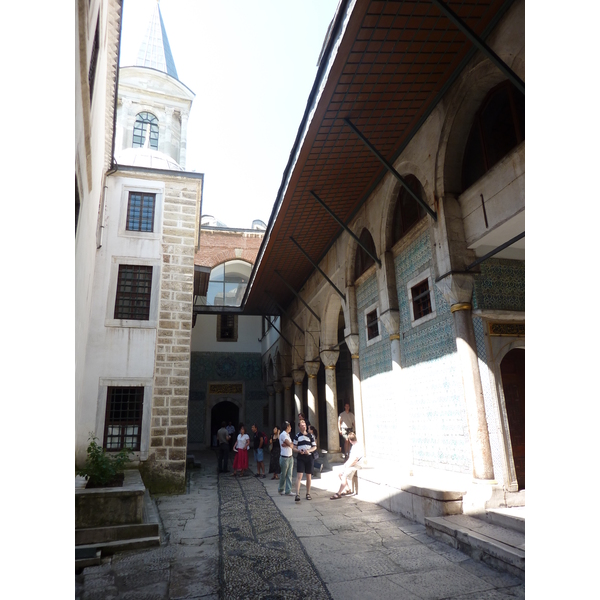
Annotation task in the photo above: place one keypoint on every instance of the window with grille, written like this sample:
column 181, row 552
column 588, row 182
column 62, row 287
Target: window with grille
column 372, row 325
column 227, row 330
column 134, row 286
column 421, row 300
column 143, row 122
column 408, row 212
column 123, row 418
column 140, row 212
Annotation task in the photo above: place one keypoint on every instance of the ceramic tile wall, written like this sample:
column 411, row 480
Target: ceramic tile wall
column 501, row 285
column 222, row 366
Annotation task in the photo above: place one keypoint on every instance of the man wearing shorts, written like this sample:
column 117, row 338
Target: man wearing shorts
column 304, row 446
column 350, row 467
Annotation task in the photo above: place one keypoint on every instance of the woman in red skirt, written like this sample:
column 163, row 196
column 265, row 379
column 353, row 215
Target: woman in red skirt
column 240, row 462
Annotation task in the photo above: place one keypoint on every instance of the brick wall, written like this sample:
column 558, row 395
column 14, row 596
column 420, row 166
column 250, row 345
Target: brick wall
column 216, row 247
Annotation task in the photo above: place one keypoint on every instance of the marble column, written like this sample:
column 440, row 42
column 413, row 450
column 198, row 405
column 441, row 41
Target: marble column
column 183, row 143
column 287, row 398
column 278, row 402
column 312, row 368
column 353, row 345
column 329, row 358
column 481, row 451
column 271, row 392
column 298, row 375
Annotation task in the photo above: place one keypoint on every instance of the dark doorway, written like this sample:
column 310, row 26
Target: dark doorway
column 512, row 369
column 223, row 411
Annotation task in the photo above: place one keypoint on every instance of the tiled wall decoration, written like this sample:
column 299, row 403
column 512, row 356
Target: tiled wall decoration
column 376, row 358
column 501, row 285
column 222, row 366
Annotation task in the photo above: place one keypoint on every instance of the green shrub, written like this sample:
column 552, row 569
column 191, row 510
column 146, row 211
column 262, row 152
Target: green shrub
column 100, row 467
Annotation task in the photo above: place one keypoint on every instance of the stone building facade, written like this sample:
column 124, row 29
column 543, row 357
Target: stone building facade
column 439, row 394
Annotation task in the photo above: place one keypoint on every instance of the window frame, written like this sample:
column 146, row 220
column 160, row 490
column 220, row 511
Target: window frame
column 421, row 213
column 367, row 311
column 139, row 390
column 144, row 196
column 152, row 124
column 141, row 187
column 148, row 384
column 137, row 295
column 423, row 276
column 152, row 322
column 234, row 326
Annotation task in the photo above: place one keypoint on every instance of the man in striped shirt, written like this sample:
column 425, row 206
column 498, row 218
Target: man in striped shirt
column 304, row 446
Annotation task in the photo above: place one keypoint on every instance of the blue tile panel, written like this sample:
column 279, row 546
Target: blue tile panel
column 222, row 366
column 424, row 400
column 492, row 410
column 501, row 285
column 376, row 358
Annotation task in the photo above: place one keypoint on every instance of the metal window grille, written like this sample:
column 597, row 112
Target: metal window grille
column 140, row 128
column 227, row 327
column 372, row 325
column 94, row 60
column 140, row 212
column 133, row 292
column 421, row 299
column 123, row 418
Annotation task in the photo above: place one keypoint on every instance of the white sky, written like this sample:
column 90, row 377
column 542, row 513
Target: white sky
column 251, row 65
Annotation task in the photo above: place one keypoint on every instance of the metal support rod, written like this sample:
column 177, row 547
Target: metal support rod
column 297, row 295
column 391, row 169
column 339, row 221
column 342, row 295
column 284, row 311
column 477, row 41
column 281, row 334
column 496, row 250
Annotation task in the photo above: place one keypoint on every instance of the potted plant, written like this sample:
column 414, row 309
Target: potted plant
column 102, row 469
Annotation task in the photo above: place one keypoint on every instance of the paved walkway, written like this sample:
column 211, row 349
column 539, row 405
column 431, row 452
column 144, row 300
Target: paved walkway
column 231, row 538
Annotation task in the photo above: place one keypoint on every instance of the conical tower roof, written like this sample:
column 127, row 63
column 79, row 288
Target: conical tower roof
column 155, row 51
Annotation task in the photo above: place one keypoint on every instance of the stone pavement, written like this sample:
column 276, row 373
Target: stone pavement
column 230, row 538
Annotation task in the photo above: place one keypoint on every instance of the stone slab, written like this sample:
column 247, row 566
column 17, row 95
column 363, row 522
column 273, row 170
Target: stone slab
column 371, row 587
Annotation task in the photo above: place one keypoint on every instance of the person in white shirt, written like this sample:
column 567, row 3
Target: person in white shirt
column 350, row 467
column 286, row 461
column 345, row 427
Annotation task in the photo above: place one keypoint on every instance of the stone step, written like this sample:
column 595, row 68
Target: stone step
column 510, row 518
column 107, row 548
column 499, row 547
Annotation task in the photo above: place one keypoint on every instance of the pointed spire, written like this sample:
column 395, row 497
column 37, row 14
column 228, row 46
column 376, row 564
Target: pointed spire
column 155, row 51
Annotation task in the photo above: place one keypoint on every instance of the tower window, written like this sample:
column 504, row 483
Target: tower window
column 134, row 286
column 140, row 212
column 123, row 418
column 145, row 121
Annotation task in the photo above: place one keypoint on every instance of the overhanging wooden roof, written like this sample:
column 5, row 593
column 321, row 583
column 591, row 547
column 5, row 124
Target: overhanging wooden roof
column 394, row 62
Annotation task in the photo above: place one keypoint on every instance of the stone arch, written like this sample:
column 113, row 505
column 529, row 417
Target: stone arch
column 329, row 320
column 298, row 351
column 270, row 371
column 463, row 102
column 389, row 204
column 360, row 224
column 312, row 338
column 278, row 366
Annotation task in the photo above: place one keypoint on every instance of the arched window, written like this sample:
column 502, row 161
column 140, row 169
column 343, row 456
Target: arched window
column 498, row 127
column 363, row 260
column 227, row 283
column 407, row 212
column 143, row 122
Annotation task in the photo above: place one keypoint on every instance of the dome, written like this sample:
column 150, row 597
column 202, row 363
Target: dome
column 148, row 158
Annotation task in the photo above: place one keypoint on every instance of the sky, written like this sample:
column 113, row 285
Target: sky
column 251, row 65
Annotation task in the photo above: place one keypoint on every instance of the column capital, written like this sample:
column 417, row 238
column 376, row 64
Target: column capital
column 457, row 288
column 391, row 320
column 270, row 390
column 298, row 375
column 353, row 343
column 278, row 387
column 287, row 382
column 312, row 368
column 329, row 358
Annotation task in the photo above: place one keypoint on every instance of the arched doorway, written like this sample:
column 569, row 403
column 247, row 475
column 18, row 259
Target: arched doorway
column 512, row 369
column 223, row 411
